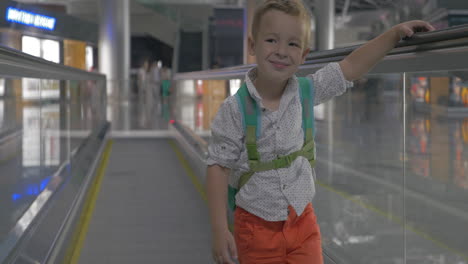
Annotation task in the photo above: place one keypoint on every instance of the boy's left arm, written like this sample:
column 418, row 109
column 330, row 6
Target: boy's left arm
column 360, row 61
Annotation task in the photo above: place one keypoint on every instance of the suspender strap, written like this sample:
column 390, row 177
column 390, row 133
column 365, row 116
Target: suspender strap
column 285, row 161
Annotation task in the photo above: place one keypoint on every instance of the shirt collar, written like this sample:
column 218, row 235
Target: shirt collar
column 289, row 92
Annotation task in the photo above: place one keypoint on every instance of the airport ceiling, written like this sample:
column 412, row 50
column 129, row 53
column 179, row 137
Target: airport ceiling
column 175, row 9
column 192, row 13
column 351, row 5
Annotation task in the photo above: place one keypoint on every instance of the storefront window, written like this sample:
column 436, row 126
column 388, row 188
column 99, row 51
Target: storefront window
column 89, row 58
column 49, row 50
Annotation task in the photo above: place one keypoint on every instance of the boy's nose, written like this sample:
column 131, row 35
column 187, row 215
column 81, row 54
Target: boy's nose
column 281, row 51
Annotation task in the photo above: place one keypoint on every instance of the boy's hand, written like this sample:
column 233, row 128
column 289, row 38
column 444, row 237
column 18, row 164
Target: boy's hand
column 224, row 247
column 407, row 29
column 360, row 61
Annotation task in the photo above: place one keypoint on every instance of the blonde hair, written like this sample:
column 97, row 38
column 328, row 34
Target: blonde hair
column 291, row 7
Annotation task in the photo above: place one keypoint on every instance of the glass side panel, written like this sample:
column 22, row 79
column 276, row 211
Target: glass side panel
column 38, row 135
column 196, row 102
column 436, row 172
column 392, row 164
column 359, row 199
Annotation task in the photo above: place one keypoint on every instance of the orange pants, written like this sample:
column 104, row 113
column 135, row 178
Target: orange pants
column 294, row 241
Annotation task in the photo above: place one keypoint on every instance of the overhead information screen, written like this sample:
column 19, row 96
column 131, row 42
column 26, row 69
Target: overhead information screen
column 30, row 19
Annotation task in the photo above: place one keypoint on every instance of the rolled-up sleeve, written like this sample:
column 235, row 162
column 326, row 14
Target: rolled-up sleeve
column 226, row 141
column 329, row 82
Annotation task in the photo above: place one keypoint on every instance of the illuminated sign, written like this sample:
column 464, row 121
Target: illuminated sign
column 30, row 19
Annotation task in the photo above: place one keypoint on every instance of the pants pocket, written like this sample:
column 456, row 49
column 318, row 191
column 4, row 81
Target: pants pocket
column 243, row 231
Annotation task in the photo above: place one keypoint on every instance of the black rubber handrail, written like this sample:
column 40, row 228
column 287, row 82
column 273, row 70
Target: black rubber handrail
column 421, row 41
column 36, row 67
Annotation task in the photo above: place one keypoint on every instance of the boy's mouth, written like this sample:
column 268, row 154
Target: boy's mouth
column 279, row 65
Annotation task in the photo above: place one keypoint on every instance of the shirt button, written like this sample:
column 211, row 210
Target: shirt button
column 284, row 186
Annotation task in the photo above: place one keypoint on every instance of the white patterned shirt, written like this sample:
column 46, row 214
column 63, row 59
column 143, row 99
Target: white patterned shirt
column 268, row 193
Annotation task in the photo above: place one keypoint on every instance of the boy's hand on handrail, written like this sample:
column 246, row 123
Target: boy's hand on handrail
column 361, row 60
column 407, row 29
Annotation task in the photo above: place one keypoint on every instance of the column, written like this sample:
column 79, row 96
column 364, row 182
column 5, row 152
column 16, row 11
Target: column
column 324, row 40
column 249, row 11
column 205, row 46
column 325, row 24
column 114, row 47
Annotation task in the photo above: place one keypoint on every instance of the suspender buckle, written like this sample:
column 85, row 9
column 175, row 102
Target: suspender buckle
column 282, row 162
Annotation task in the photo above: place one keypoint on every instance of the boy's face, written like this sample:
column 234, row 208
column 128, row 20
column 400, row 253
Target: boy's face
column 279, row 45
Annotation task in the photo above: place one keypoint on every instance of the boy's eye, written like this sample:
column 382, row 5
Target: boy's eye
column 271, row 40
column 294, row 44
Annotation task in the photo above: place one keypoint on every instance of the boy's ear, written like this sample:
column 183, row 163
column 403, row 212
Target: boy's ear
column 304, row 55
column 251, row 46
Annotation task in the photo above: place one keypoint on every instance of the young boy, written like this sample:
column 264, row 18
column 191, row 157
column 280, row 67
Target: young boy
column 274, row 221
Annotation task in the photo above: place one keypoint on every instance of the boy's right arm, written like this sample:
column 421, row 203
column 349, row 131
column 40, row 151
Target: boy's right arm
column 223, row 243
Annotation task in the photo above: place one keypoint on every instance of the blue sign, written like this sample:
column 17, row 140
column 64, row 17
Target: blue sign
column 30, row 19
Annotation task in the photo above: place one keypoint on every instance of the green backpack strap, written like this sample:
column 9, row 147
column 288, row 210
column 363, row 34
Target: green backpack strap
column 250, row 114
column 307, row 100
column 307, row 94
column 251, row 118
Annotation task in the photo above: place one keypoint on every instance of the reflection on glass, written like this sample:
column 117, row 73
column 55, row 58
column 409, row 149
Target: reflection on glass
column 1, row 114
column 359, row 199
column 31, row 137
column 460, row 146
column 109, row 114
column 41, row 136
column 50, row 89
column 420, row 90
column 36, row 143
column 2, row 87
column 34, row 89
column 199, row 88
column 418, row 142
column 437, row 162
column 199, row 100
column 214, row 93
column 199, row 116
column 187, row 114
column 29, row 190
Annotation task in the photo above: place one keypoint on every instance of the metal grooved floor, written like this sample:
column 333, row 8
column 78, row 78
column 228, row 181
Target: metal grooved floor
column 147, row 210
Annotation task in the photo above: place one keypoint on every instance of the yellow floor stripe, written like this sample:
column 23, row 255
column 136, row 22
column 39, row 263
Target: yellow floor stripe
column 189, row 171
column 192, row 175
column 79, row 235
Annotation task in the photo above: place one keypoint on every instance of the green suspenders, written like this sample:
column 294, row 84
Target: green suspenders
column 251, row 120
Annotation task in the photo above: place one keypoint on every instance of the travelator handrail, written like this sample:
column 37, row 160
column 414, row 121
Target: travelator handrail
column 16, row 64
column 423, row 42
